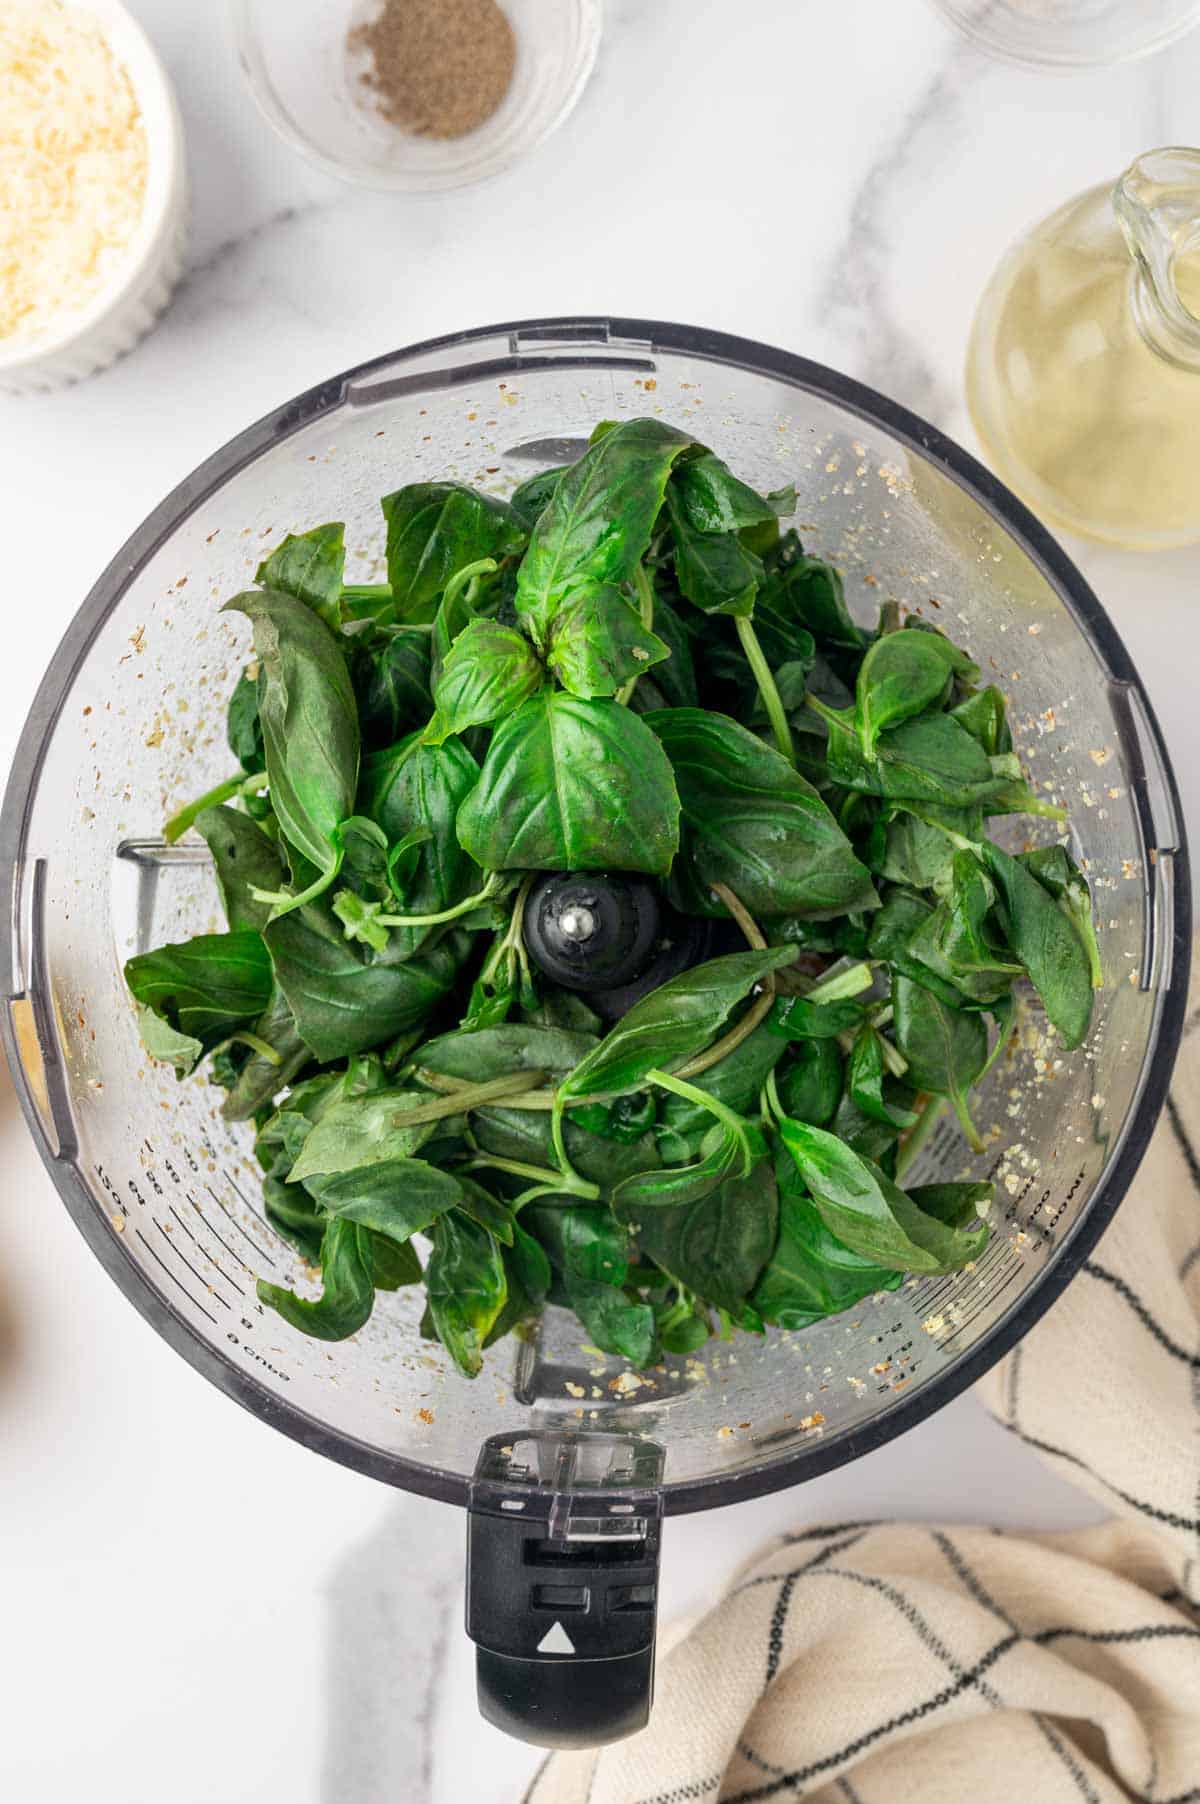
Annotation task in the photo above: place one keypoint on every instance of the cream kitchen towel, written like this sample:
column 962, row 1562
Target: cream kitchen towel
column 885, row 1663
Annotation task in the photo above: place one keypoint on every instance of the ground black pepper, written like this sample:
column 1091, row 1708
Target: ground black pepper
column 439, row 68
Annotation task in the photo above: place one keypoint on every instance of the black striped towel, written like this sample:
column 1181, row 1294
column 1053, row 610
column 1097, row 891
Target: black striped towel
column 959, row 1665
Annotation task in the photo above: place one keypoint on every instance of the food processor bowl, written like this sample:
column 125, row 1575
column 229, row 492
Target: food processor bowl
column 567, row 1459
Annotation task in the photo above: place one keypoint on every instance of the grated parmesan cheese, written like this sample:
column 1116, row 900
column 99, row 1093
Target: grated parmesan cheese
column 72, row 164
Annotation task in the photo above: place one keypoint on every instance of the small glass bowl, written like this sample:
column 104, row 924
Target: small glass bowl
column 307, row 81
column 1071, row 34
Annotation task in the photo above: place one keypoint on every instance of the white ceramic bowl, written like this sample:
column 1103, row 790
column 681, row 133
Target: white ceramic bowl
column 78, row 343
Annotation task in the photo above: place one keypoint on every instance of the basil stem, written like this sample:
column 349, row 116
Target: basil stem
column 703, row 1099
column 914, row 1141
column 490, row 888
column 475, row 1096
column 645, row 595
column 240, row 785
column 766, row 688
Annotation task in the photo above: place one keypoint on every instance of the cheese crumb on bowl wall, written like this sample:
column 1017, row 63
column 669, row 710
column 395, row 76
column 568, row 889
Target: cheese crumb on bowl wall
column 92, row 189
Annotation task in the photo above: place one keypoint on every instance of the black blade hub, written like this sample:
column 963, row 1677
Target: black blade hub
column 609, row 937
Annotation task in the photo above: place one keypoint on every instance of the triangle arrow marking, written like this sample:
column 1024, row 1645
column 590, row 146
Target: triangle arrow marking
column 556, row 1641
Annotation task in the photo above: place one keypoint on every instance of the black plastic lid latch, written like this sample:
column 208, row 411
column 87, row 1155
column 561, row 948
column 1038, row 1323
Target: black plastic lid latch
column 563, row 1536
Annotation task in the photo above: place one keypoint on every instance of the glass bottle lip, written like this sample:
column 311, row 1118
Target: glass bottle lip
column 1157, row 204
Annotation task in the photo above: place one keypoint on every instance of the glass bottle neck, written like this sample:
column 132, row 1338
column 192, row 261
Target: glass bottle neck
column 1157, row 203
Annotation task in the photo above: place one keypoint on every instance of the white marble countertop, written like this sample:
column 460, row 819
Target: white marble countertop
column 195, row 1607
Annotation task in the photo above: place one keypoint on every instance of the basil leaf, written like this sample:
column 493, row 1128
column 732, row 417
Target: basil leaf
column 245, row 860
column 625, row 1120
column 582, row 1241
column 292, row 1213
column 735, row 1081
column 958, row 1205
column 810, row 591
column 812, row 1274
column 953, row 941
column 871, row 1214
column 611, row 1320
column 243, row 727
column 929, row 759
column 345, row 999
column 434, row 530
column 395, row 1197
column 717, row 1244
column 413, row 788
column 676, row 677
column 755, row 824
column 485, row 1211
column 487, row 673
column 394, row 1263
column 201, row 990
column 530, row 498
column 348, row 1287
column 570, row 784
column 489, row 1004
column 311, row 566
column 1046, row 942
column 728, row 1150
column 714, row 570
column 308, row 1102
column 795, row 1018
column 903, row 674
column 985, row 717
column 560, row 1008
column 366, row 858
column 946, row 1048
column 712, row 499
column 810, row 1085
column 261, row 1079
column 673, row 1022
column 466, row 1285
column 531, row 1265
column 866, row 1134
column 309, row 725
column 911, row 849
column 391, row 681
column 490, row 1052
column 597, row 643
column 1058, row 873
column 167, row 1044
column 864, row 1081
column 902, row 918
column 359, row 1131
column 597, row 523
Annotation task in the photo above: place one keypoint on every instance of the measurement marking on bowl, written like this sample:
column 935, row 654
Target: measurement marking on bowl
column 175, row 1278
column 217, row 1236
column 984, row 1305
column 198, row 1276
column 233, row 1220
column 216, row 1265
column 239, row 1192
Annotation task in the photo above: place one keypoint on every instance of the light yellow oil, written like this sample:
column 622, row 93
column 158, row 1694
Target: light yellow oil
column 1098, row 432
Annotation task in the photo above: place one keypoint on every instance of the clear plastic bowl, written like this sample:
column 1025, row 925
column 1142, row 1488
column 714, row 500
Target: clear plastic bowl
column 122, row 730
column 308, row 84
column 1071, row 34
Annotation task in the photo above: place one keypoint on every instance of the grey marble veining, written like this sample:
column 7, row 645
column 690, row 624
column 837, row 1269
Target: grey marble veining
column 392, row 1602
